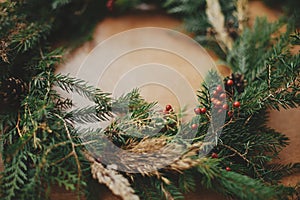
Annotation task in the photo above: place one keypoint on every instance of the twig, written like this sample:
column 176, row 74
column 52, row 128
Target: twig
column 62, row 159
column 18, row 125
column 269, row 78
column 73, row 150
column 34, row 125
column 244, row 158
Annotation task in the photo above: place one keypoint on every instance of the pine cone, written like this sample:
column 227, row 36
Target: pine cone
column 11, row 91
column 239, row 83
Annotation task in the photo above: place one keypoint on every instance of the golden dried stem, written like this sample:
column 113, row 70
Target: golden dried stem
column 242, row 14
column 116, row 182
column 217, row 20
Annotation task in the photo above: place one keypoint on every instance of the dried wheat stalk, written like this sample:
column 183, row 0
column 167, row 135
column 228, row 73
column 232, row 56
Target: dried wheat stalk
column 217, row 20
column 116, row 182
column 146, row 157
column 152, row 154
column 186, row 161
column 242, row 14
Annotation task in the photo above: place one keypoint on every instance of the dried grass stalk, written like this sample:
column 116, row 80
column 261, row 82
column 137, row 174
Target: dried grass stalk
column 166, row 193
column 242, row 14
column 149, row 155
column 152, row 154
column 185, row 161
column 146, row 157
column 117, row 183
column 217, row 20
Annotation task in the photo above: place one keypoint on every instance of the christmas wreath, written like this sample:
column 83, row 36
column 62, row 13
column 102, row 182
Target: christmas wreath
column 41, row 146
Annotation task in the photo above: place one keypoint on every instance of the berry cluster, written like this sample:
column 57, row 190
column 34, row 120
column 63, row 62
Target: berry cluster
column 219, row 99
column 198, row 111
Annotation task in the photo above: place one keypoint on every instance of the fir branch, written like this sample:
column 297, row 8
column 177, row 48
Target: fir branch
column 63, row 177
column 30, row 36
column 69, row 84
column 277, row 171
column 15, row 176
column 88, row 115
column 243, row 187
column 236, row 185
column 186, row 181
column 252, row 49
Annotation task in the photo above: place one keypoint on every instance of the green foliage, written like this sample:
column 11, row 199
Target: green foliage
column 15, row 176
column 156, row 189
column 195, row 19
column 254, row 43
column 29, row 37
column 275, row 73
column 39, row 146
column 186, row 181
column 42, row 146
column 193, row 14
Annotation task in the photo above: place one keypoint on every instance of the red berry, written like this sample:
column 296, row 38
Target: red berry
column 228, row 169
column 219, row 88
column 168, row 107
column 230, row 113
column 230, row 82
column 225, row 107
column 197, row 111
column 214, row 155
column 222, row 96
column 236, row 104
column 194, row 126
column 203, row 110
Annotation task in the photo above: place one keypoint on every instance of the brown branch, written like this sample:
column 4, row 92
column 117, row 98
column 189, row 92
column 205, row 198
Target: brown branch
column 18, row 125
column 73, row 146
column 244, row 158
